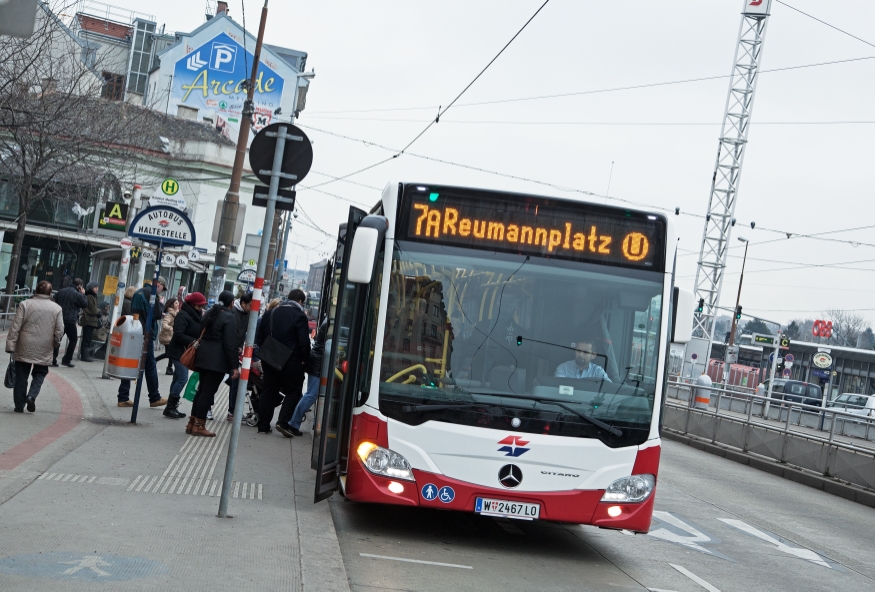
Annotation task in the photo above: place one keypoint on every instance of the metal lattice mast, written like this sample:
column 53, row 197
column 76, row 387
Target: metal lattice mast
column 730, row 156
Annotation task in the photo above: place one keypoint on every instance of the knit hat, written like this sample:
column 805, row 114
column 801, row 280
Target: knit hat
column 226, row 298
column 91, row 286
column 162, row 281
column 195, row 299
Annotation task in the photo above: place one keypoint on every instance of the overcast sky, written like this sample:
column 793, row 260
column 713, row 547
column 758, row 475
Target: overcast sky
column 376, row 61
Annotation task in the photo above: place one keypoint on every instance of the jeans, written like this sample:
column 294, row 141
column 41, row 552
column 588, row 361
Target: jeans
column 71, row 332
column 85, row 347
column 151, row 374
column 289, row 381
column 306, row 401
column 206, row 392
column 22, row 371
column 180, row 378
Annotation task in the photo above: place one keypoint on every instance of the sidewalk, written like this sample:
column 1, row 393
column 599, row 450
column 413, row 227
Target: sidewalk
column 86, row 497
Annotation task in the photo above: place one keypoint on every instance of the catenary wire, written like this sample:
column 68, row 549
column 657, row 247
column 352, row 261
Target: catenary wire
column 825, row 23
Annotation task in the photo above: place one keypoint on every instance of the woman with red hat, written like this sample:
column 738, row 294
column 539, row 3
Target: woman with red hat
column 186, row 329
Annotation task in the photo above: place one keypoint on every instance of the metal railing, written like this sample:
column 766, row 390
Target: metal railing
column 830, row 442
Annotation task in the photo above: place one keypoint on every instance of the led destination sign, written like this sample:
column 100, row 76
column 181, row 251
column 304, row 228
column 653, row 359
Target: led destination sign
column 531, row 226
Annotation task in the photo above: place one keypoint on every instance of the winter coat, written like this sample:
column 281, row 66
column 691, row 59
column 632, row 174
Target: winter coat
column 140, row 306
column 166, row 333
column 71, row 302
column 91, row 314
column 186, row 328
column 314, row 367
column 36, row 330
column 242, row 318
column 126, row 307
column 217, row 351
column 288, row 324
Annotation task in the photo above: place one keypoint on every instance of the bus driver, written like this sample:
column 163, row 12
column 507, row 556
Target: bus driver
column 581, row 366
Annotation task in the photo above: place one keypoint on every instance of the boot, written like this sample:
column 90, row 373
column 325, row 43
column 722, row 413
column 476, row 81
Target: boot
column 199, row 429
column 190, row 424
column 172, row 409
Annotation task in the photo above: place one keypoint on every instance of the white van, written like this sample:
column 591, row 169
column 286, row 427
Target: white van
column 854, row 403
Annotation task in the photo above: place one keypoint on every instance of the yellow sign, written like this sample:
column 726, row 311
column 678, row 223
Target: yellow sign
column 170, row 186
column 110, row 285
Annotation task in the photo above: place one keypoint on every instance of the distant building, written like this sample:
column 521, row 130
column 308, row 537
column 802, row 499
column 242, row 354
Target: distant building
column 316, row 277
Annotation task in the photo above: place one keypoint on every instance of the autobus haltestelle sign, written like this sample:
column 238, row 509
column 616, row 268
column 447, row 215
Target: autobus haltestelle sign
column 163, row 225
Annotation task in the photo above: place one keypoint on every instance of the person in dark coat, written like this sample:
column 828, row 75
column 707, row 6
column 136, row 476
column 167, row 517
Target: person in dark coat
column 241, row 309
column 288, row 324
column 314, row 369
column 186, row 329
column 90, row 321
column 126, row 304
column 71, row 300
column 216, row 356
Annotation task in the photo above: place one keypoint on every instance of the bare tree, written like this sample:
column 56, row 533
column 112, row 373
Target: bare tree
column 59, row 140
column 846, row 326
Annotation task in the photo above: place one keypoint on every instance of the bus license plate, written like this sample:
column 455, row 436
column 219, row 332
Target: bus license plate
column 506, row 509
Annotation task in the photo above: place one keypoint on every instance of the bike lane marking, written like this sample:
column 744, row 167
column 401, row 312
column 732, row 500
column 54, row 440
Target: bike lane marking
column 70, row 417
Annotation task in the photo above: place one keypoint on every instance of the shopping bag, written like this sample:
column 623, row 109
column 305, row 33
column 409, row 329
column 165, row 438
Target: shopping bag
column 9, row 379
column 191, row 386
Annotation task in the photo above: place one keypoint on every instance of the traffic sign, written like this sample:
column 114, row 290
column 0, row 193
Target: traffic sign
column 168, row 195
column 772, row 358
column 181, row 261
column 786, row 373
column 247, row 276
column 297, row 154
column 170, row 187
column 822, row 360
column 126, row 243
column 285, row 198
column 168, row 260
column 194, row 255
column 789, row 358
column 764, row 339
column 165, row 225
column 785, row 343
column 694, row 357
column 147, row 255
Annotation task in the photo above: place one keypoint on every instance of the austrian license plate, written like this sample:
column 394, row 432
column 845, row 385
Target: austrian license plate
column 506, row 509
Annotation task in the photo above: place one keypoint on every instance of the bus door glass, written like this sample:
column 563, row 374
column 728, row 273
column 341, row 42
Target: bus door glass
column 333, row 411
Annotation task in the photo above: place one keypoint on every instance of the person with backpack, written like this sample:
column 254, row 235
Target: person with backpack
column 71, row 300
column 90, row 321
column 216, row 356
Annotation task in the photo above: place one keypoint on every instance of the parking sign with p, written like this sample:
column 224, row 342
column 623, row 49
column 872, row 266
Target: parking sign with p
column 223, row 57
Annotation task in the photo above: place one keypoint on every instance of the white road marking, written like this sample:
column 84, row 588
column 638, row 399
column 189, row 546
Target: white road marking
column 660, row 590
column 418, row 561
column 695, row 578
column 802, row 553
column 690, row 542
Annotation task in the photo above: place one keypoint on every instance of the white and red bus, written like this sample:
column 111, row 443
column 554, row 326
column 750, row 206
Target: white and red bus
column 497, row 353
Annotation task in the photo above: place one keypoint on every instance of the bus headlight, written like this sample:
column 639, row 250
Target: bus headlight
column 382, row 461
column 633, row 489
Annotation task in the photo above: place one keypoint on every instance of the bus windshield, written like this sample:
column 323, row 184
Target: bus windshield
column 518, row 342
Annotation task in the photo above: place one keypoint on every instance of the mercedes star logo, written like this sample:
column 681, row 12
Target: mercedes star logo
column 510, row 476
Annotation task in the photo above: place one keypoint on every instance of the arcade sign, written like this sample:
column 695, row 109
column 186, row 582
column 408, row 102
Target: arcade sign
column 163, row 225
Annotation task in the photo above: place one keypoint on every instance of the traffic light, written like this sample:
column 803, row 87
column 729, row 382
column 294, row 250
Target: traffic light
column 738, row 313
column 701, row 307
column 785, row 343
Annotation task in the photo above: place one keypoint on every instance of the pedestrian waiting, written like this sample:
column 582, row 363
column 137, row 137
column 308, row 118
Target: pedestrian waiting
column 216, row 356
column 140, row 307
column 90, row 321
column 35, row 334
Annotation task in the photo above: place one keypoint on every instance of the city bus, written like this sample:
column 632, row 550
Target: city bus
column 498, row 353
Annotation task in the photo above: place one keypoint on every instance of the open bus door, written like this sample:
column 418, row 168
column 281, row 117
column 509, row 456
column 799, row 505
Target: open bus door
column 344, row 304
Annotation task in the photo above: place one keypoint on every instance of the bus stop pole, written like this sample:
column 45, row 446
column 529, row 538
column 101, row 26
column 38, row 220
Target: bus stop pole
column 257, row 297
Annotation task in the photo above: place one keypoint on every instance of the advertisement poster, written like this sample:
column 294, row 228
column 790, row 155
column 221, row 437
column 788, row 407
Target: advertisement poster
column 113, row 217
column 210, row 78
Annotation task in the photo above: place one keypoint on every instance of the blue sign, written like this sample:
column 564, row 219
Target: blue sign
column 210, row 79
column 820, row 373
column 82, row 567
column 429, row 492
column 446, row 494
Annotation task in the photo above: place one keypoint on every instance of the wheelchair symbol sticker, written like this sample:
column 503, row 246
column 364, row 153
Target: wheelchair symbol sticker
column 446, row 494
column 429, row 492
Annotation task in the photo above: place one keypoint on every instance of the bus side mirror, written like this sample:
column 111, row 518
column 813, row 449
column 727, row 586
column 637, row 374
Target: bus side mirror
column 683, row 309
column 365, row 246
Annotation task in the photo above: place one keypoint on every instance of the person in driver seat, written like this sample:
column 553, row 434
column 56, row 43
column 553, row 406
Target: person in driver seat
column 581, row 366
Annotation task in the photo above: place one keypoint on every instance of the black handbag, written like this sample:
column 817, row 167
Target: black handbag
column 272, row 352
column 9, row 379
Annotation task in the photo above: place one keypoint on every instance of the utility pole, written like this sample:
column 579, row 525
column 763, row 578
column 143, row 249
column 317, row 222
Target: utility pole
column 719, row 219
column 230, row 205
column 731, row 339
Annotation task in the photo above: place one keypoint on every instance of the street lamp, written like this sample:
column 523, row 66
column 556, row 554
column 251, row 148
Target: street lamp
column 736, row 314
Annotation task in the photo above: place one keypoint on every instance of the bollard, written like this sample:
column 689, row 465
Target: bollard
column 702, row 396
column 125, row 346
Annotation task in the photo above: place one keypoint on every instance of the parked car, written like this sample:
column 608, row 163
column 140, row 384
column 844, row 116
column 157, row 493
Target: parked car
column 793, row 391
column 854, row 403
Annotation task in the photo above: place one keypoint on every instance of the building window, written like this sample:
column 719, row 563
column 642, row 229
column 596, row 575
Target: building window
column 434, row 310
column 392, row 342
column 434, row 330
column 409, row 324
column 405, row 345
column 141, row 55
column 113, row 87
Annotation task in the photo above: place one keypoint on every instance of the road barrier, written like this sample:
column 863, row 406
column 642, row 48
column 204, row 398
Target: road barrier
column 762, row 426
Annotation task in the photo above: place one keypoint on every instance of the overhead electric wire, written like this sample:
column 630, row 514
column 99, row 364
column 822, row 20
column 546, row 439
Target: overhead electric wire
column 602, row 90
column 448, row 107
column 826, row 23
column 598, row 123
